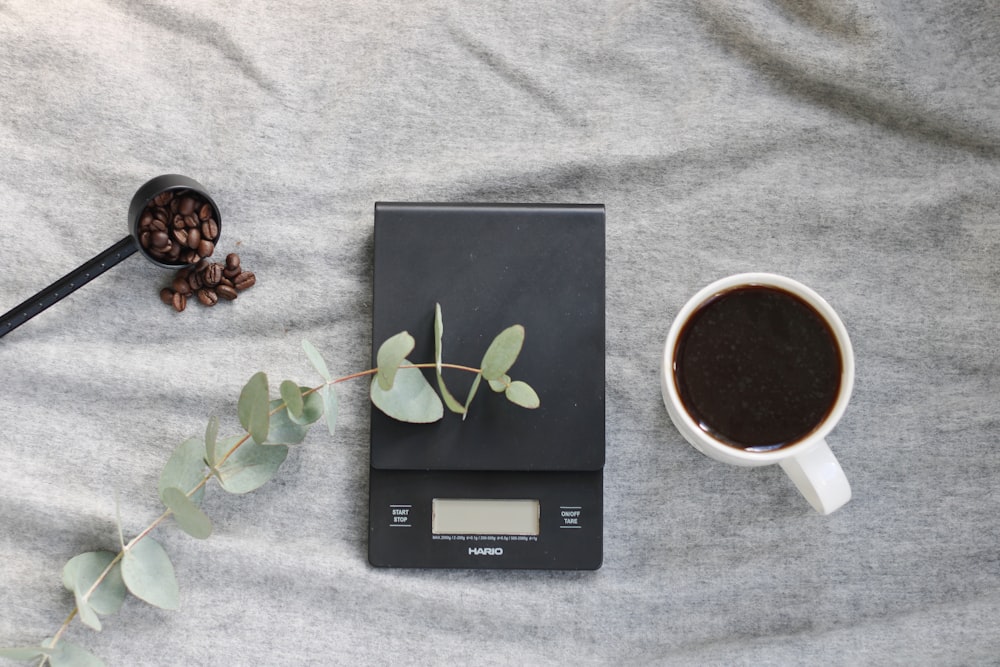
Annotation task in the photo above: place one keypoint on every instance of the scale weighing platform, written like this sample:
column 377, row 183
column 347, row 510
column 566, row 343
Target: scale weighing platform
column 507, row 487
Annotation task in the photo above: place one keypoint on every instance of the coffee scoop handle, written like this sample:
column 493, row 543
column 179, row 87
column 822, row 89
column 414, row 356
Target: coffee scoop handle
column 818, row 476
column 66, row 285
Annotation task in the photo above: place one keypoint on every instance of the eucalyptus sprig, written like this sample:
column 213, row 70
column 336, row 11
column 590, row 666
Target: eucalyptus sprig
column 100, row 580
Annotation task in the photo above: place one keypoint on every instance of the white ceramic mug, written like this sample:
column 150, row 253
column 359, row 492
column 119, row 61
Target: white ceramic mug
column 808, row 461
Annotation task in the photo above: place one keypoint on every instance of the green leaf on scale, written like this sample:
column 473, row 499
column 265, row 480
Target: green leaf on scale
column 149, row 574
column 330, row 407
column 66, row 654
column 185, row 469
column 500, row 386
column 211, row 437
column 450, row 401
column 411, row 399
column 438, row 333
column 25, row 653
column 472, row 393
column 80, row 573
column 252, row 407
column 502, row 352
column 521, row 393
column 390, row 355
column 292, row 396
column 189, row 517
column 316, row 359
column 251, row 466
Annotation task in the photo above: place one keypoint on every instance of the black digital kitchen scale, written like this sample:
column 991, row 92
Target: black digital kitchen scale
column 506, row 487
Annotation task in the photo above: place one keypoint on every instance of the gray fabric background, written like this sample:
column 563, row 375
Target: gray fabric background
column 852, row 145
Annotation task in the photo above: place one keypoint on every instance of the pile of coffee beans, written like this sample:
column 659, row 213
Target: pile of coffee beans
column 178, row 227
column 207, row 282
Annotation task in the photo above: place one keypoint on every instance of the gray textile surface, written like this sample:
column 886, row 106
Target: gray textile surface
column 852, row 145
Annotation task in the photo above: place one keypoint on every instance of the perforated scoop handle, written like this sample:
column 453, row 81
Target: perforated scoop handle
column 66, row 285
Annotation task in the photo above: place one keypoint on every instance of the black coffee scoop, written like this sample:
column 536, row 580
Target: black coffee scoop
column 172, row 222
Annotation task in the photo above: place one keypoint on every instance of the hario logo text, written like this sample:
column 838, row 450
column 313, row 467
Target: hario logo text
column 486, row 551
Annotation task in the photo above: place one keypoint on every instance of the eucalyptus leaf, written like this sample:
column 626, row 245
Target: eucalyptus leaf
column 500, row 386
column 80, row 573
column 312, row 407
column 282, row 430
column 292, row 396
column 251, row 466
column 450, row 401
column 149, row 574
column 316, row 359
column 211, row 438
column 66, row 654
column 502, row 352
column 189, row 517
column 390, row 355
column 225, row 445
column 438, row 333
column 185, row 469
column 25, row 653
column 252, row 407
column 86, row 613
column 411, row 399
column 330, row 403
column 521, row 393
column 472, row 393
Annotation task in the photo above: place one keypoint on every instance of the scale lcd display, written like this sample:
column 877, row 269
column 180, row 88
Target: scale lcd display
column 468, row 516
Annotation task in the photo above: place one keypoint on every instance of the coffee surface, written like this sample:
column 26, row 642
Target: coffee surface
column 757, row 367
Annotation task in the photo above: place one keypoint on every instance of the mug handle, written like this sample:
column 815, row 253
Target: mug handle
column 818, row 476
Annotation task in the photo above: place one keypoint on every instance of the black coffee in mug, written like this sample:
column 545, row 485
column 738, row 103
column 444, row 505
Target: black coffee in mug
column 757, row 367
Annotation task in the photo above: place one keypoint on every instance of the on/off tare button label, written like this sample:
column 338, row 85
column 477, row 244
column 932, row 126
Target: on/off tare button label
column 569, row 516
column 400, row 516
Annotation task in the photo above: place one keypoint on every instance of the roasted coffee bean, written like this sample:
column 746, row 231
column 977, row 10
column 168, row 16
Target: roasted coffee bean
column 213, row 275
column 181, row 285
column 208, row 297
column 193, row 238
column 178, row 214
column 179, row 302
column 207, row 282
column 210, row 229
column 245, row 280
column 227, row 292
